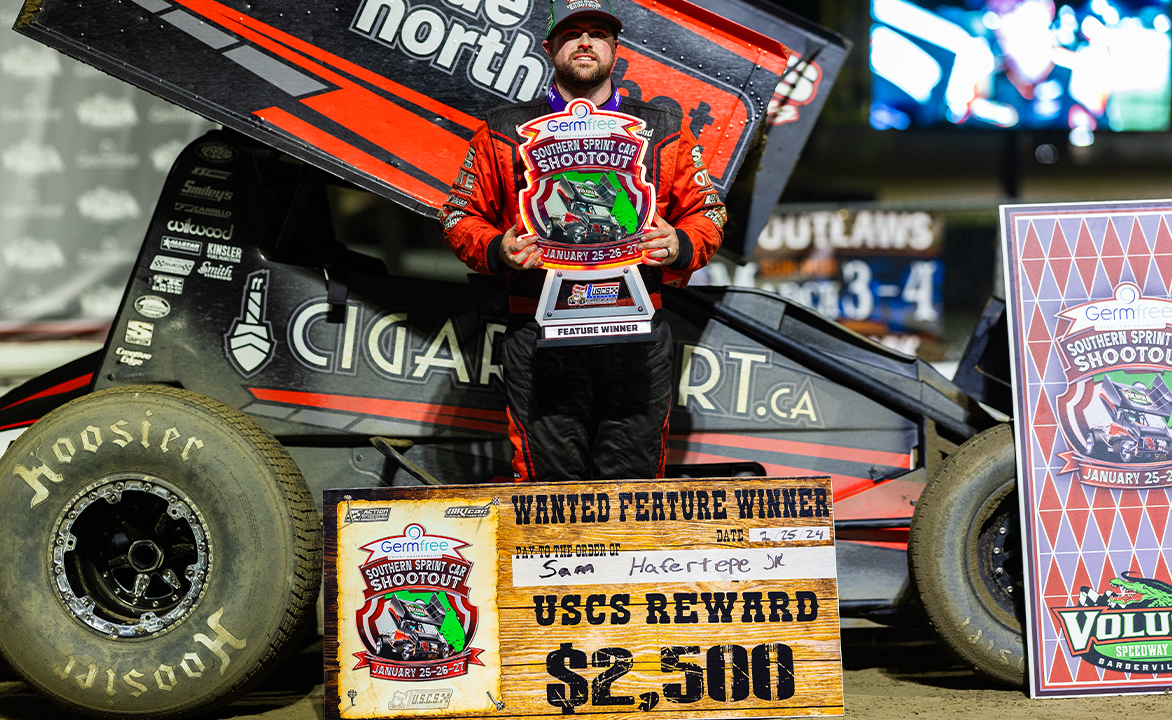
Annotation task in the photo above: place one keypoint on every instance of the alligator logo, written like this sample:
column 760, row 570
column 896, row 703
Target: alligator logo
column 1127, row 627
column 1140, row 592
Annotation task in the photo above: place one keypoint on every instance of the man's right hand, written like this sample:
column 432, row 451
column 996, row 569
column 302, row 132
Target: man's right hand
column 520, row 253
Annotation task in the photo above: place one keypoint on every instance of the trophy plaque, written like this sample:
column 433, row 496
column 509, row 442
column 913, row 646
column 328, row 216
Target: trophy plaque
column 588, row 202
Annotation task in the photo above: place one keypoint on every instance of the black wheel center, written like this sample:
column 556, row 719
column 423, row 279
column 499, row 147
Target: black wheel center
column 132, row 555
column 999, row 559
column 144, row 556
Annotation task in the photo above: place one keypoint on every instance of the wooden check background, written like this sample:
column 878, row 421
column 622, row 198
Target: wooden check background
column 746, row 668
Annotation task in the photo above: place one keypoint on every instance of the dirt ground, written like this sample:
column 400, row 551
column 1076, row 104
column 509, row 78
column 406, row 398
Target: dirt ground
column 888, row 675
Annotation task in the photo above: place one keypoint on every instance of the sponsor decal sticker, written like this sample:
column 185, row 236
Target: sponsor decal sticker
column 201, row 171
column 360, row 515
column 249, row 342
column 215, row 272
column 152, row 306
column 436, row 699
column 183, row 245
column 139, row 332
column 204, row 192
column 134, row 358
column 216, row 152
column 471, row 511
column 188, row 226
column 224, row 253
column 167, row 284
column 202, row 210
column 173, row 265
column 594, row 294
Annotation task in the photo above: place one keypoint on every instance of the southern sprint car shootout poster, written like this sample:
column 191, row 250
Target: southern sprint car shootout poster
column 1091, row 339
column 711, row 598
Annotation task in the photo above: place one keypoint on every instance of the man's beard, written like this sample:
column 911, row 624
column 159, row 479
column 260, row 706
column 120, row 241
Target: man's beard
column 575, row 78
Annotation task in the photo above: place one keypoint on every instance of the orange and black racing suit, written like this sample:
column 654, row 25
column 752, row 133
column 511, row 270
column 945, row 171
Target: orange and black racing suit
column 579, row 413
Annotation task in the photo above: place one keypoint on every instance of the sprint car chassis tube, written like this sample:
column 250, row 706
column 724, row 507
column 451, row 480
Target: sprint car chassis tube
column 823, row 364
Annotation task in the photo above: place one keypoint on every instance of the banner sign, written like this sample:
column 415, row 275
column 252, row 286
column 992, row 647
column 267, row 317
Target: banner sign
column 878, row 273
column 682, row 599
column 83, row 156
column 1091, row 339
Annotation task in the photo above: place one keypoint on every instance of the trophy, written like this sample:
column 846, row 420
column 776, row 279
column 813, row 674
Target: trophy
column 588, row 203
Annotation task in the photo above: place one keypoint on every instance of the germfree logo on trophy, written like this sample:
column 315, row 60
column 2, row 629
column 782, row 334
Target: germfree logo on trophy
column 588, row 202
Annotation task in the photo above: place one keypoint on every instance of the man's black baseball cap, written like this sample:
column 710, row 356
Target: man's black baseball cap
column 561, row 10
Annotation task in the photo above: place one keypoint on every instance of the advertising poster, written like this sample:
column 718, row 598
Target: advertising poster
column 682, row 599
column 878, row 273
column 1091, row 339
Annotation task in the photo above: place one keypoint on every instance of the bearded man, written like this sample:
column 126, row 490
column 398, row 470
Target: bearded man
column 594, row 412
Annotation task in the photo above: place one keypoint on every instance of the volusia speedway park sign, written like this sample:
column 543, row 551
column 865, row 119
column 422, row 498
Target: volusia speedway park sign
column 1091, row 338
column 683, row 599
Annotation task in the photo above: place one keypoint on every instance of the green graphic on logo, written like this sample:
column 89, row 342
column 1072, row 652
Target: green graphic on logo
column 1132, row 378
column 451, row 628
column 621, row 210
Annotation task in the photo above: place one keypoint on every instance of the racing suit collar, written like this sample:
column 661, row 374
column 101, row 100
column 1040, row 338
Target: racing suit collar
column 558, row 103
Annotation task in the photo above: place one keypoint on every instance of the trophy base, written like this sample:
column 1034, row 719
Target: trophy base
column 594, row 307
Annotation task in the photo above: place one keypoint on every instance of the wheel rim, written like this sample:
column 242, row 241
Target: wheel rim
column 1126, row 450
column 994, row 550
column 130, row 556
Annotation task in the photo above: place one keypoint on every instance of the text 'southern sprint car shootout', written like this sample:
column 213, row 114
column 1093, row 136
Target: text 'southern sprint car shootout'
column 159, row 541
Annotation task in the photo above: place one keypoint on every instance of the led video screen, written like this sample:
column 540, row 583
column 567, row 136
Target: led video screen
column 1097, row 65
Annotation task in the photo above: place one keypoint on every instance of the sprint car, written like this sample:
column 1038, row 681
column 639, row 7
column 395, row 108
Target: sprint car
column 161, row 538
column 163, row 477
column 1138, row 431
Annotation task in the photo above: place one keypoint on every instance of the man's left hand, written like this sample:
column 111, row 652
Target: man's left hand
column 660, row 246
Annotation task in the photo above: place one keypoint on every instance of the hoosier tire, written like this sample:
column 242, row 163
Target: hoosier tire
column 964, row 555
column 158, row 552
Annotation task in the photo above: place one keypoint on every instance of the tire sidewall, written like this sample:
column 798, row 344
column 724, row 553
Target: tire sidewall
column 942, row 562
column 229, row 628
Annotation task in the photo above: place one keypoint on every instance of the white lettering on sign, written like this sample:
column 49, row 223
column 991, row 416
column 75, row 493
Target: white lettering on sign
column 827, row 230
column 670, row 566
column 498, row 62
